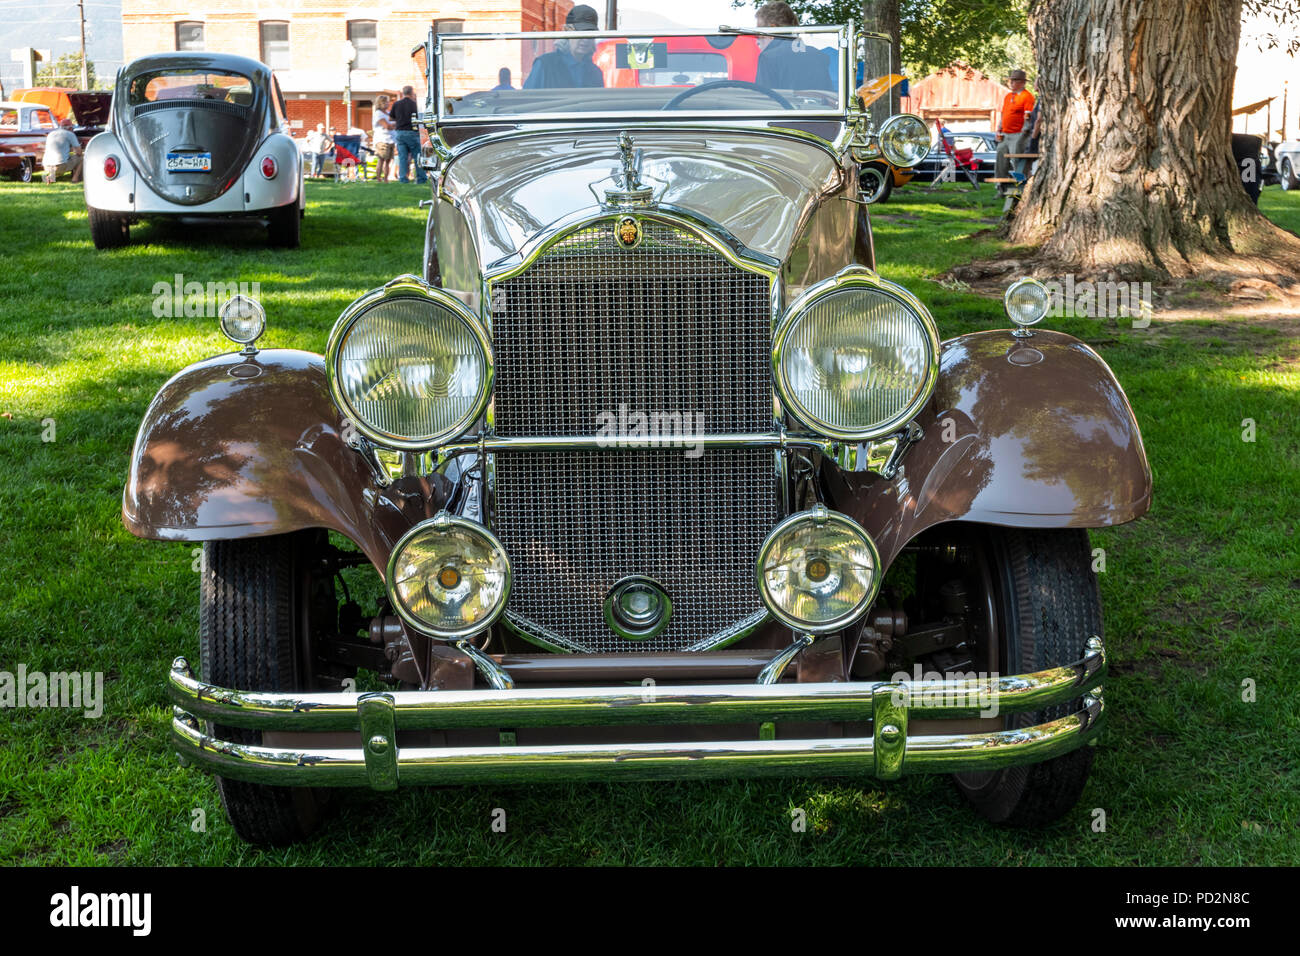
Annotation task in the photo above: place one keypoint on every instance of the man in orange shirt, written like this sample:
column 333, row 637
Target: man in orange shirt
column 1011, row 130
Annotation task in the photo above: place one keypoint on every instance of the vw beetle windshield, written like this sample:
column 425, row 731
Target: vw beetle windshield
column 802, row 71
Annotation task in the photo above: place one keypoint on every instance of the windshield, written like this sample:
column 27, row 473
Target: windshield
column 191, row 85
column 794, row 71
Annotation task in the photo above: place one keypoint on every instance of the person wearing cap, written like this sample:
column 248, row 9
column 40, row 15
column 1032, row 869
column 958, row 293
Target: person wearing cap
column 62, row 152
column 569, row 65
column 1011, row 129
column 786, row 63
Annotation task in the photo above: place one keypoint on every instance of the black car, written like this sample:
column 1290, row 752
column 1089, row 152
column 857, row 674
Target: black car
column 983, row 143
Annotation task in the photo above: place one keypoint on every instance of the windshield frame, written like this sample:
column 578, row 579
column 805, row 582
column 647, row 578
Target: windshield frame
column 435, row 101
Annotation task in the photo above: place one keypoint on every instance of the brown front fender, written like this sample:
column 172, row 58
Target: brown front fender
column 1029, row 433
column 240, row 447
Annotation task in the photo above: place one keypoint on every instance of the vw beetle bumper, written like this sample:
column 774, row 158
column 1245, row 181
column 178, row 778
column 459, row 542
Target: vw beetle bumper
column 377, row 761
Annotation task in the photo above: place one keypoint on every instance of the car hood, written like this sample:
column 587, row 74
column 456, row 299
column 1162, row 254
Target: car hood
column 757, row 184
column 91, row 108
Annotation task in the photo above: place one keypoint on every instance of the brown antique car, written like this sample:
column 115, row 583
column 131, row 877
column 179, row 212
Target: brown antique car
column 648, row 474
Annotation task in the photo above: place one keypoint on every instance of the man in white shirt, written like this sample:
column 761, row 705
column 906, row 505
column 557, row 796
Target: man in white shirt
column 318, row 146
column 62, row 153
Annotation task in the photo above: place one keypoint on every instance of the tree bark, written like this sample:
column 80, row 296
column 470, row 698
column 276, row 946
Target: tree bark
column 881, row 16
column 1136, row 175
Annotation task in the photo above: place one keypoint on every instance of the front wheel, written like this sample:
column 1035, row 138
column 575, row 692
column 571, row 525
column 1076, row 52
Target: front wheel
column 108, row 230
column 1287, row 177
column 26, row 170
column 254, row 619
column 877, row 183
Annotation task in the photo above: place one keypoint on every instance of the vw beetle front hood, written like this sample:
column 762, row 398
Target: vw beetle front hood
column 757, row 184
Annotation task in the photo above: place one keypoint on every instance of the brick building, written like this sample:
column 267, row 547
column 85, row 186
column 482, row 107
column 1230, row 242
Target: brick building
column 305, row 42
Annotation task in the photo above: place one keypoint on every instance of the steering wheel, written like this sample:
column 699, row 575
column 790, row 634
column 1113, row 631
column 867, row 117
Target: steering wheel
column 721, row 84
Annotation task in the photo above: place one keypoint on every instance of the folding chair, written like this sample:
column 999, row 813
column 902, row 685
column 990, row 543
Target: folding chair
column 347, row 159
column 963, row 159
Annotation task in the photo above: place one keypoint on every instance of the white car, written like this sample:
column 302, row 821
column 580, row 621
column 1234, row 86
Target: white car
column 194, row 135
column 1287, row 157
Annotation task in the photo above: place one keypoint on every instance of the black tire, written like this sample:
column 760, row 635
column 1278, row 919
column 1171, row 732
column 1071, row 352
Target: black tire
column 284, row 226
column 877, row 182
column 26, row 170
column 253, row 620
column 1046, row 606
column 108, row 230
column 1287, row 177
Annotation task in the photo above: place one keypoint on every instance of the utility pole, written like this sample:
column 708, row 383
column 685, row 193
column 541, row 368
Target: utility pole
column 85, row 68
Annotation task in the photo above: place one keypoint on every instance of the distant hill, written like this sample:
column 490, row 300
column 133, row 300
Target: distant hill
column 45, row 25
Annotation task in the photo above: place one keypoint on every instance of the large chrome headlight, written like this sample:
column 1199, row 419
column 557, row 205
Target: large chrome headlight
column 409, row 364
column 856, row 356
column 904, row 139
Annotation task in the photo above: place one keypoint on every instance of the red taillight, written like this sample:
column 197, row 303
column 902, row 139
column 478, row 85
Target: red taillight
column 110, row 167
column 268, row 167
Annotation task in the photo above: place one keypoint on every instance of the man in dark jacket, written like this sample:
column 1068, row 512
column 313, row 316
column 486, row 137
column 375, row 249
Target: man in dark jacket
column 569, row 65
column 786, row 64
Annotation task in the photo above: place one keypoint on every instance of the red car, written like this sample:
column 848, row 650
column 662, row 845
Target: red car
column 678, row 61
column 24, row 126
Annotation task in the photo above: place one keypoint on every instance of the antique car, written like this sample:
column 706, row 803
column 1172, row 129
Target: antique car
column 1286, row 158
column 646, row 474
column 23, row 128
column 87, row 108
column 194, row 135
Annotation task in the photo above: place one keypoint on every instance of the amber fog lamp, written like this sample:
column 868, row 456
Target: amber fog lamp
column 1026, row 301
column 409, row 364
column 449, row 577
column 818, row 571
column 243, row 319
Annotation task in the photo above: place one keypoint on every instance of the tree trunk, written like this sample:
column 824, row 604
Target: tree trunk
column 1137, row 175
column 881, row 16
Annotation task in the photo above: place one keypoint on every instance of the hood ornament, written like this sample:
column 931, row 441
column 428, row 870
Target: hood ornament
column 632, row 192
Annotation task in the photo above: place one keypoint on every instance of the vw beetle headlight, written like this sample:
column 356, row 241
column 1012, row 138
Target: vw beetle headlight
column 409, row 364
column 856, row 357
column 818, row 571
column 904, row 139
column 449, row 577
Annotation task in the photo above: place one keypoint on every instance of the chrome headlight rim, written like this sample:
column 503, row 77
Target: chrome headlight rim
column 823, row 515
column 1022, row 283
column 407, row 287
column 850, row 279
column 441, row 521
column 896, row 120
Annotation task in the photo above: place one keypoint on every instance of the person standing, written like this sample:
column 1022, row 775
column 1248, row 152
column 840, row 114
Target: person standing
column 1011, row 128
column 382, row 135
column 407, row 136
column 62, row 152
column 318, row 146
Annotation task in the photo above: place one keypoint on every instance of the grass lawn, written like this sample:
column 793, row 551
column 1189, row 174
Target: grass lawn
column 1201, row 595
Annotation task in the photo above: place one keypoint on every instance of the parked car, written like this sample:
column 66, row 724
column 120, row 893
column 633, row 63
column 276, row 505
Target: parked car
column 1287, row 157
column 23, row 128
column 982, row 144
column 194, row 135
column 88, row 108
column 657, row 476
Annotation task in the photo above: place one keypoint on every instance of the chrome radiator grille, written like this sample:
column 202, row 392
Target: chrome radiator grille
column 592, row 331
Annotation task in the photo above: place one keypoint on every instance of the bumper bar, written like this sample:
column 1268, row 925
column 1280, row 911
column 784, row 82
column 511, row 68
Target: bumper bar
column 378, row 762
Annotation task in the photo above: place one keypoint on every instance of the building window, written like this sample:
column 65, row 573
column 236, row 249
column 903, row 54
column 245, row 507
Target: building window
column 453, row 56
column 275, row 44
column 365, row 40
column 189, row 35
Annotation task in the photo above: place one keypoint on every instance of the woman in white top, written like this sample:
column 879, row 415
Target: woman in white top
column 382, row 136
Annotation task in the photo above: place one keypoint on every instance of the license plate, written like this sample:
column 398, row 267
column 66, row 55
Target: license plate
column 189, row 162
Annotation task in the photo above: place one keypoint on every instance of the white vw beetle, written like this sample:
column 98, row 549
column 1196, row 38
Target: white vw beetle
column 194, row 134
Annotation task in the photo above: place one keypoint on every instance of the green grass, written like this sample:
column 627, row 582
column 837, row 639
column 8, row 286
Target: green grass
column 1201, row 594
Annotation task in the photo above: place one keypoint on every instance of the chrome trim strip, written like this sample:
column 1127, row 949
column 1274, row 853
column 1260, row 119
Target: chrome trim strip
column 850, row 756
column 624, row 705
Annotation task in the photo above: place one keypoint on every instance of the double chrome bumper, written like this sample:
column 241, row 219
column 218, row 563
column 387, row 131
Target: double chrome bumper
column 888, row 753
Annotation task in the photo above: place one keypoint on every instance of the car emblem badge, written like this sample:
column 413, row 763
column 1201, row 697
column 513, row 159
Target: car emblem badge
column 628, row 231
